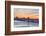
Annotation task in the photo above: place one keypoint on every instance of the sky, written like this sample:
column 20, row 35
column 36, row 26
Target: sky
column 26, row 12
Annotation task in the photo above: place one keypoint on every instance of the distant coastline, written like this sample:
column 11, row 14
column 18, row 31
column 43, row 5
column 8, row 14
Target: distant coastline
column 27, row 19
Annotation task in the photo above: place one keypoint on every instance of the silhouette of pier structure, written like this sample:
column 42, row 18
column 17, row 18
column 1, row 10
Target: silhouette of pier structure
column 27, row 19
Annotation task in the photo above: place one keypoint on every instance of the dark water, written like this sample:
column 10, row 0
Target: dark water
column 18, row 24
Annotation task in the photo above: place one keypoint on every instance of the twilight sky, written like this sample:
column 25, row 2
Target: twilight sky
column 26, row 12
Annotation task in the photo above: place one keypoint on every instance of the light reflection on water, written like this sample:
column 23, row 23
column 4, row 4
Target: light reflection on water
column 25, row 24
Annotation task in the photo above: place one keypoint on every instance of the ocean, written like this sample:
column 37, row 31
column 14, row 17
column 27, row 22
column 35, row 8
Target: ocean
column 18, row 24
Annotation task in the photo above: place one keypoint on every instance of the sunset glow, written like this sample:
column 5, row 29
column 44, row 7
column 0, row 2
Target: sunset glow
column 26, row 14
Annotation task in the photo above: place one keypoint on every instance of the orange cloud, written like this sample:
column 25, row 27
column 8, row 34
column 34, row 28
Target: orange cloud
column 21, row 15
